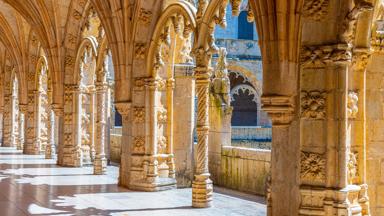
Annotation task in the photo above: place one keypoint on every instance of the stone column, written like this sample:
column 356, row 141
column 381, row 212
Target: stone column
column 23, row 111
column 124, row 108
column 202, row 187
column 71, row 151
column 32, row 143
column 58, row 138
column 100, row 162
column 282, row 184
column 49, row 149
column 356, row 111
column 171, row 160
column 184, row 113
column 7, row 121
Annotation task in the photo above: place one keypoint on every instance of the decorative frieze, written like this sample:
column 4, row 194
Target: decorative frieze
column 321, row 56
column 315, row 9
column 313, row 104
column 352, row 104
column 312, row 167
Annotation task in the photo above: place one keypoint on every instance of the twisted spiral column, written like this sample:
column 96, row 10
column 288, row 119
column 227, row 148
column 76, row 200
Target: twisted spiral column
column 202, row 185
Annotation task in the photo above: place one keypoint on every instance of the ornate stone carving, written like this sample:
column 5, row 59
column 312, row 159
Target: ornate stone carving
column 235, row 7
column 312, row 168
column 313, row 104
column 352, row 167
column 140, row 49
column 139, row 145
column 162, row 116
column 139, row 114
column 220, row 83
column 145, row 16
column 320, row 56
column 360, row 59
column 352, row 104
column 123, row 107
column 348, row 29
column 315, row 9
column 68, row 61
column 162, row 144
column 250, row 14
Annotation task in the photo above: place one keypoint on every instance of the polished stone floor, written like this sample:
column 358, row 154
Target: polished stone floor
column 32, row 185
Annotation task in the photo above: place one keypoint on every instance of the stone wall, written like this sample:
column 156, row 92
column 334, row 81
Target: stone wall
column 115, row 145
column 375, row 134
column 244, row 169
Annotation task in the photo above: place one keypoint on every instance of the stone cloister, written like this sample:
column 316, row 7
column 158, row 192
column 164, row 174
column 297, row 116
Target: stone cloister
column 70, row 69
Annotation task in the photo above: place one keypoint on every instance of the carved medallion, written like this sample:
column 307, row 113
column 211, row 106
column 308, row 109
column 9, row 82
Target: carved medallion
column 313, row 104
column 312, row 168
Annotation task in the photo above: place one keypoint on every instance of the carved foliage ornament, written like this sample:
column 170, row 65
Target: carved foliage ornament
column 139, row 114
column 139, row 144
column 320, row 56
column 313, row 104
column 312, row 168
column 145, row 16
column 315, row 9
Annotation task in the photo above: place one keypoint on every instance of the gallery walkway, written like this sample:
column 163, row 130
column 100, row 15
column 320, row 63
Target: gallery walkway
column 32, row 185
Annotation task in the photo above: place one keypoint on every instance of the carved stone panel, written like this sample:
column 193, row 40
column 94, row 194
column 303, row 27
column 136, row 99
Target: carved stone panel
column 313, row 104
column 139, row 114
column 312, row 168
column 139, row 145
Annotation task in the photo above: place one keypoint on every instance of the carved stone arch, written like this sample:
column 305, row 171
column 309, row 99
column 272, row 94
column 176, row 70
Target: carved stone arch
column 178, row 8
column 244, row 87
column 42, row 64
column 89, row 43
column 257, row 85
column 34, row 49
column 103, row 51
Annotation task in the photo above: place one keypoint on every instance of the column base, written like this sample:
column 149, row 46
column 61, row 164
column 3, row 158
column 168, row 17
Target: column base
column 31, row 149
column 202, row 190
column 72, row 157
column 100, row 165
column 158, row 184
column 48, row 152
column 326, row 201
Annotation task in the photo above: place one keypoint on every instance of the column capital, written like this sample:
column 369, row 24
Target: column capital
column 123, row 107
column 280, row 108
column 23, row 108
column 58, row 109
column 360, row 58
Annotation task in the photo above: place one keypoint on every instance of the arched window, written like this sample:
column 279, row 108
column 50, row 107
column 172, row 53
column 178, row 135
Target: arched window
column 245, row 30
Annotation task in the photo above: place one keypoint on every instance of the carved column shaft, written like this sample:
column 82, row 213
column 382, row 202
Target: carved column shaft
column 171, row 161
column 202, row 187
column 100, row 162
column 152, row 93
column 7, row 121
column 51, row 133
column 72, row 153
column 32, row 144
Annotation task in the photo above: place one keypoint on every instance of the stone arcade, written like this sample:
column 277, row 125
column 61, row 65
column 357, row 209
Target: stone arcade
column 71, row 69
